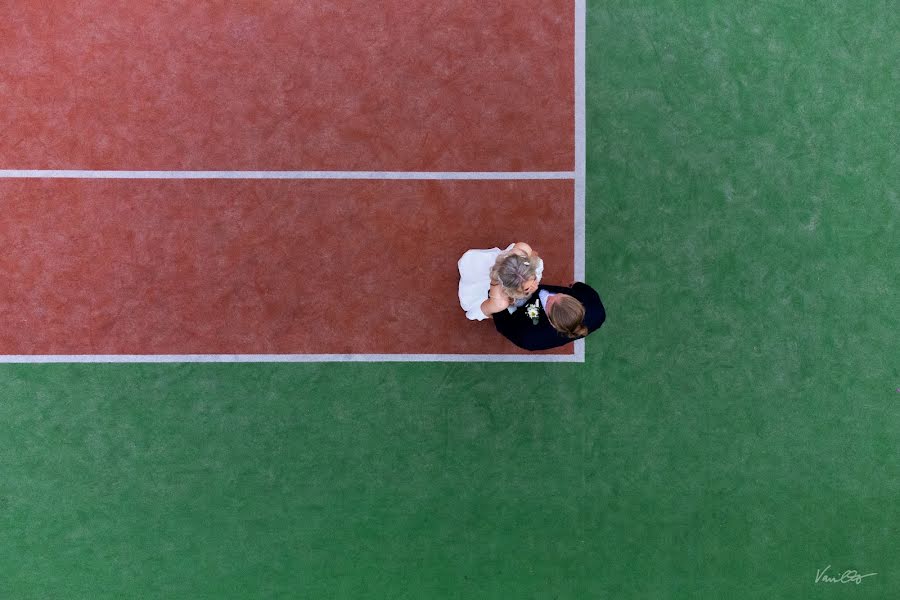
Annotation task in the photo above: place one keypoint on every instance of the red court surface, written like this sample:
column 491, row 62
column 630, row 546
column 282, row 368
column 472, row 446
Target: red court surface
column 399, row 85
column 220, row 267
column 180, row 266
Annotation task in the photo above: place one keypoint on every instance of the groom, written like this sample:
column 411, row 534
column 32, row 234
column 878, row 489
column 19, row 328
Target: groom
column 553, row 316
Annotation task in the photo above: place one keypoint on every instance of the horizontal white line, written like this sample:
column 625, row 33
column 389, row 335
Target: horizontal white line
column 251, row 358
column 473, row 175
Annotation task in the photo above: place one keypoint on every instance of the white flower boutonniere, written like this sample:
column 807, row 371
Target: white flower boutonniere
column 534, row 312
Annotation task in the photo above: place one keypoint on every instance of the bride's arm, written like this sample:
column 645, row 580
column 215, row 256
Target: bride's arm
column 526, row 249
column 523, row 247
column 497, row 301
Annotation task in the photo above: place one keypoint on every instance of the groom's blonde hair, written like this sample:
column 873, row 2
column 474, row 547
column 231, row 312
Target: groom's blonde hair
column 512, row 271
column 566, row 314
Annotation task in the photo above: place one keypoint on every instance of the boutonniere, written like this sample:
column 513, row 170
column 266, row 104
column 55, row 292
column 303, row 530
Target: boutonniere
column 533, row 311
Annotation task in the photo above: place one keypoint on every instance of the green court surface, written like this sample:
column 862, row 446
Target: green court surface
column 733, row 430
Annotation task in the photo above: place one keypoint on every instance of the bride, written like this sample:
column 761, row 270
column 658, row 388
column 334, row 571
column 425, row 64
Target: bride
column 492, row 280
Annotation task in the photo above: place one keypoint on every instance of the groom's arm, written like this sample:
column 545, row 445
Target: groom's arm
column 555, row 289
column 588, row 296
column 510, row 326
column 505, row 324
column 586, row 292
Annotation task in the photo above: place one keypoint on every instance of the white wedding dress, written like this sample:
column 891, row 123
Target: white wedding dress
column 475, row 280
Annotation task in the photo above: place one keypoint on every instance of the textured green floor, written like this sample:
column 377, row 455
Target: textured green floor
column 734, row 429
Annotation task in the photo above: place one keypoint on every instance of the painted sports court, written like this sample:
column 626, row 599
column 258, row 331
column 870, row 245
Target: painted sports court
column 234, row 364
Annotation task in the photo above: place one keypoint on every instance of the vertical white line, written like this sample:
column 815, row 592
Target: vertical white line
column 579, row 137
column 580, row 166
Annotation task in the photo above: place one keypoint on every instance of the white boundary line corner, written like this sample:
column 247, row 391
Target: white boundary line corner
column 578, row 175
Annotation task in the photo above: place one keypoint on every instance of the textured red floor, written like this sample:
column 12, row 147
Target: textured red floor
column 459, row 85
column 183, row 267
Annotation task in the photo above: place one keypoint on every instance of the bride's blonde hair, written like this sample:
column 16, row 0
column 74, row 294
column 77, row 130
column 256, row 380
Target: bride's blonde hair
column 512, row 271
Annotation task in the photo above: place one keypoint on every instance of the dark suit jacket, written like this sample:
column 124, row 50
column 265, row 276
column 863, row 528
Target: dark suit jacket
column 518, row 328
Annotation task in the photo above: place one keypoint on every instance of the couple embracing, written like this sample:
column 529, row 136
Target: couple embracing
column 506, row 285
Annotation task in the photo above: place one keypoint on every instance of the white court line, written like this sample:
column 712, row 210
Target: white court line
column 580, row 167
column 293, row 358
column 580, row 143
column 578, row 175
column 446, row 175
